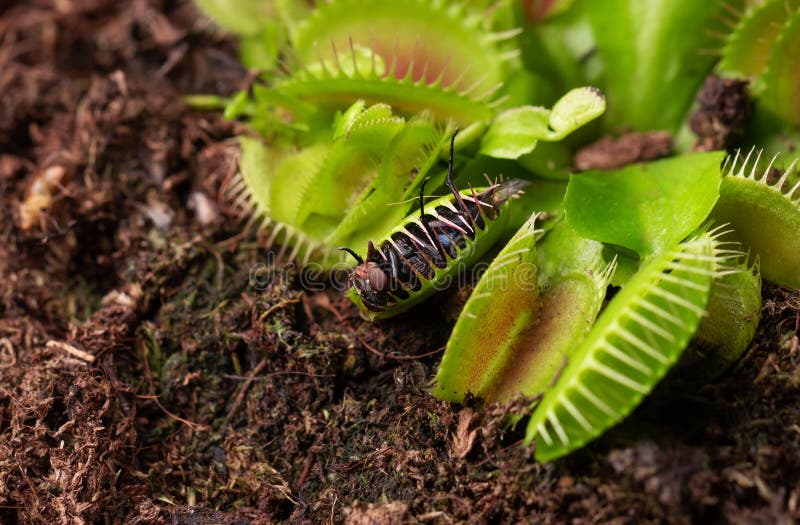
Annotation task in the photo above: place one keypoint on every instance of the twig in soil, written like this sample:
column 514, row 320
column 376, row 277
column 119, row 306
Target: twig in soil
column 239, row 399
column 371, row 348
column 11, row 360
column 396, row 357
column 220, row 263
column 176, row 417
column 493, row 458
column 111, row 373
column 279, row 306
column 271, row 374
column 417, row 356
column 71, row 350
column 30, row 484
column 306, row 471
column 152, row 389
column 324, row 302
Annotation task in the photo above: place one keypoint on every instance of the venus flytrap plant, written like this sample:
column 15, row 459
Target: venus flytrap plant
column 356, row 118
column 701, row 288
column 504, row 299
column 644, row 210
column 412, row 54
column 637, row 338
column 434, row 63
column 348, row 185
column 317, row 198
column 450, row 60
column 762, row 49
column 734, row 311
column 525, row 316
column 409, row 246
column 764, row 216
column 748, row 48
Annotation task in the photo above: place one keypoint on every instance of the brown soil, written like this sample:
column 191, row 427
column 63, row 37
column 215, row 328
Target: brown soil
column 722, row 115
column 143, row 379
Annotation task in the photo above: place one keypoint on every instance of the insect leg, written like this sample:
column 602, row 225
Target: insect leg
column 397, row 281
column 424, row 221
column 395, row 263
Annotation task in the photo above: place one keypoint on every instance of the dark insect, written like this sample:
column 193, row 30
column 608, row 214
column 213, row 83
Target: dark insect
column 425, row 249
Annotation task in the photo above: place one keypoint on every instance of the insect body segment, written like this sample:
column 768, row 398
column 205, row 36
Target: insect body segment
column 426, row 249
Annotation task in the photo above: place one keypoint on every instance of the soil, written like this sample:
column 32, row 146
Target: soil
column 146, row 378
column 723, row 113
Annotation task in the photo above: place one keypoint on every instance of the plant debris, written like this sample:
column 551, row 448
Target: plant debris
column 610, row 153
column 723, row 113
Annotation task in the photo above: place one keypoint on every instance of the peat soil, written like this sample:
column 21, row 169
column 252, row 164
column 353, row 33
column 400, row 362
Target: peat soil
column 149, row 373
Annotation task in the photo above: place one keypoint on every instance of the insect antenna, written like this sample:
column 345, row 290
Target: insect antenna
column 449, row 180
column 422, row 201
column 451, row 184
column 357, row 257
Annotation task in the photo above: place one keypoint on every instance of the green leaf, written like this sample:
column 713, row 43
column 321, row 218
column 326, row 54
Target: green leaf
column 645, row 207
column 653, row 58
column 516, row 131
column 245, row 17
column 562, row 49
column 578, row 107
column 782, row 78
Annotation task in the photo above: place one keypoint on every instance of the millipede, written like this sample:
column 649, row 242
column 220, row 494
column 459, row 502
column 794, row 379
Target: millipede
column 428, row 247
